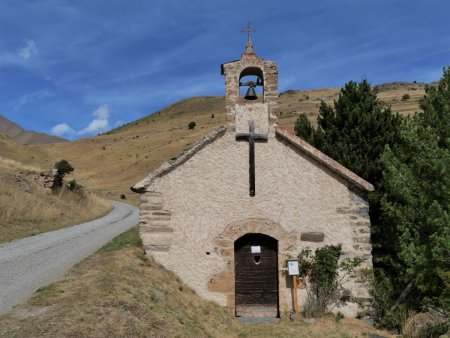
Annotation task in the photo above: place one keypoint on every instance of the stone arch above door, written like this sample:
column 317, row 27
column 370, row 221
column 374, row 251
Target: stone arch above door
column 223, row 282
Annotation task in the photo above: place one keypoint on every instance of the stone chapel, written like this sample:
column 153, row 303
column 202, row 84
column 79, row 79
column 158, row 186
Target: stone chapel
column 228, row 212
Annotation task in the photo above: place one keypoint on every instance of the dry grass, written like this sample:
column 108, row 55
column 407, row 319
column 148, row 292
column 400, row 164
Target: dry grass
column 119, row 292
column 27, row 209
column 11, row 165
column 21, row 153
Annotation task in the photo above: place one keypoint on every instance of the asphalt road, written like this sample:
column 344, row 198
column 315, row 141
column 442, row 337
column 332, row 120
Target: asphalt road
column 33, row 262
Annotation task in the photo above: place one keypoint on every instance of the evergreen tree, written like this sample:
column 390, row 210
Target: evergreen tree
column 416, row 200
column 416, row 207
column 304, row 129
column 436, row 109
column 356, row 130
column 62, row 168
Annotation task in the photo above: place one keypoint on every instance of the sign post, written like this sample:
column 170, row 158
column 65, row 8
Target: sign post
column 293, row 270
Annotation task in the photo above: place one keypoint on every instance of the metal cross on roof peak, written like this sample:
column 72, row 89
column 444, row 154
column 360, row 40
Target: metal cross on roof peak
column 249, row 30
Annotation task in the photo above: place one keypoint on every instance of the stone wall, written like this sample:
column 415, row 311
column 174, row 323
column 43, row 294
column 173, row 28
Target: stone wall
column 257, row 112
column 191, row 216
column 45, row 178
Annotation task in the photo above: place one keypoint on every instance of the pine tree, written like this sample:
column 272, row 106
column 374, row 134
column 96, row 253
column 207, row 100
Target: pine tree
column 416, row 200
column 62, row 168
column 356, row 131
column 304, row 129
column 416, row 208
column 436, row 109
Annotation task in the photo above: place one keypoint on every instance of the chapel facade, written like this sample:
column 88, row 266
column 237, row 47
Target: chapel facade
column 230, row 210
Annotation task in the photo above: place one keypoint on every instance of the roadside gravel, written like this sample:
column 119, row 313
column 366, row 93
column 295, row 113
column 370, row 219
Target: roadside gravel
column 33, row 262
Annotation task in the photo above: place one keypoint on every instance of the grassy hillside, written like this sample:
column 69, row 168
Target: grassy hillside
column 119, row 292
column 22, row 136
column 9, row 149
column 113, row 162
column 27, row 208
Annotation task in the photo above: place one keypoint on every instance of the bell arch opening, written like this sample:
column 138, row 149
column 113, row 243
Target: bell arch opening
column 251, row 84
column 256, row 276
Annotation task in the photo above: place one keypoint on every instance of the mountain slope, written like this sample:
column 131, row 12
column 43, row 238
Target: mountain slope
column 22, row 136
column 18, row 152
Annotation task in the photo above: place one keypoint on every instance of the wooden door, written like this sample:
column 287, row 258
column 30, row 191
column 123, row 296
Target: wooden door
column 256, row 276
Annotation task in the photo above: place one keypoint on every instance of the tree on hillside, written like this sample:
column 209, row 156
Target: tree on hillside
column 416, row 199
column 304, row 129
column 436, row 109
column 416, row 207
column 356, row 130
column 62, row 168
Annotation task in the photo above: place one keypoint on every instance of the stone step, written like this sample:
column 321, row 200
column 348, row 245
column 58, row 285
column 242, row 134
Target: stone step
column 361, row 230
column 154, row 229
column 156, row 247
column 155, row 223
column 158, row 218
column 151, row 206
column 162, row 213
column 362, row 239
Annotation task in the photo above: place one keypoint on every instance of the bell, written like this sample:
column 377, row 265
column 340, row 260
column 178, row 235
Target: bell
column 251, row 94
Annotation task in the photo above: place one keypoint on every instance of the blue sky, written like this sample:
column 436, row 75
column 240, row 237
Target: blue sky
column 78, row 68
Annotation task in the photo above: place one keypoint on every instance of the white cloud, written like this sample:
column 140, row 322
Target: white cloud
column 100, row 123
column 61, row 129
column 27, row 51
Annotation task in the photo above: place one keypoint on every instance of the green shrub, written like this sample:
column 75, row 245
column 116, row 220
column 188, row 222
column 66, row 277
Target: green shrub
column 384, row 313
column 74, row 186
column 405, row 97
column 339, row 317
column 320, row 275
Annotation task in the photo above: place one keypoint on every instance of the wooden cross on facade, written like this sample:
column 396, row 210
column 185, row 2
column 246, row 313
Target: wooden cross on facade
column 251, row 137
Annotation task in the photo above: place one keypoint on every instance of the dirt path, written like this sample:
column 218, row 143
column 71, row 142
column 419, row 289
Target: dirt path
column 33, row 262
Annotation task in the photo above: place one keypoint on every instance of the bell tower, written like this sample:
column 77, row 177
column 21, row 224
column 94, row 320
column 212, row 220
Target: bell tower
column 251, row 91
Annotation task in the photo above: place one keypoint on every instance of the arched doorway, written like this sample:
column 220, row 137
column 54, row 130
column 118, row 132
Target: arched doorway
column 256, row 276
